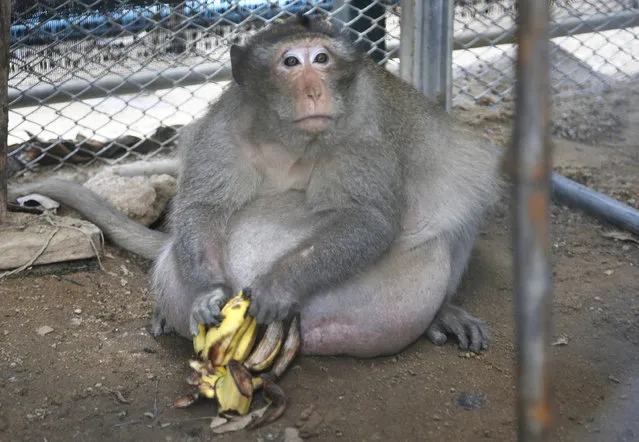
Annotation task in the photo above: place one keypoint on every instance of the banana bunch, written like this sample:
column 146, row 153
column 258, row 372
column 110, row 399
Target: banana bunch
column 230, row 366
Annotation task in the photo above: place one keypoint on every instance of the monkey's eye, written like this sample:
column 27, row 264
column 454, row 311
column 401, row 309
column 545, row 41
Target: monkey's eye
column 291, row 61
column 321, row 58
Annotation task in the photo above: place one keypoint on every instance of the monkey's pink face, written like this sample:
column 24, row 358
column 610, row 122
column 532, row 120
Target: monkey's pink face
column 304, row 68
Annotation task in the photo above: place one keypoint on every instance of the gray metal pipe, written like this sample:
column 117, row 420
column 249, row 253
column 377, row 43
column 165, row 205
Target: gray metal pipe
column 531, row 201
column 80, row 89
column 602, row 207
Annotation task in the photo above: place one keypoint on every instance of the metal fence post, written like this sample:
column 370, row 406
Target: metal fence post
column 5, row 24
column 425, row 50
column 531, row 195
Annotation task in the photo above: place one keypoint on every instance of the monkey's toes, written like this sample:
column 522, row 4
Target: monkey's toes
column 471, row 332
column 435, row 335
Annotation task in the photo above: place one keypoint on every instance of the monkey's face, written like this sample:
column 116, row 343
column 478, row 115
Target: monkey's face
column 302, row 75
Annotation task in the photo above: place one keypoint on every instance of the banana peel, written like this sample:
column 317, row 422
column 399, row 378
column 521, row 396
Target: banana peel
column 231, row 367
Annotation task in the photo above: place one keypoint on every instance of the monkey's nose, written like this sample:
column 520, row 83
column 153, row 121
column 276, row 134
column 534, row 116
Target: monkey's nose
column 314, row 95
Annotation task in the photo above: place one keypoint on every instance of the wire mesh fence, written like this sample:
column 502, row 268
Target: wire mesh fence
column 114, row 80
column 110, row 81
column 593, row 43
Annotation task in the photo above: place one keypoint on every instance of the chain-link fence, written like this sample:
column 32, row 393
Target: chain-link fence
column 593, row 44
column 112, row 80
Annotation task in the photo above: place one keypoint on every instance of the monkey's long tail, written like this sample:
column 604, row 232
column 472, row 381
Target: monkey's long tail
column 117, row 227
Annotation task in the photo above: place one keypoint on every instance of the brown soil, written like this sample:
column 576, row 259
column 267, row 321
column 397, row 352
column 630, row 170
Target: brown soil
column 99, row 375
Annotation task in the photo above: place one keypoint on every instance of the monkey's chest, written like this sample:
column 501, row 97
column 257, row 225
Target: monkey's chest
column 282, row 170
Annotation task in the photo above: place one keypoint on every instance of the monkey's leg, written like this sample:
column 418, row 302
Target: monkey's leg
column 381, row 311
column 471, row 332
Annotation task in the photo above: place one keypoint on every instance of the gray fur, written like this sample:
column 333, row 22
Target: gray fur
column 364, row 229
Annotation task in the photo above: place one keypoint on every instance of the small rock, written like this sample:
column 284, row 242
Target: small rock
column 292, row 435
column 560, row 341
column 76, row 321
column 310, row 427
column 306, row 413
column 609, row 272
column 471, row 401
column 614, row 379
column 44, row 330
column 77, row 311
column 149, row 415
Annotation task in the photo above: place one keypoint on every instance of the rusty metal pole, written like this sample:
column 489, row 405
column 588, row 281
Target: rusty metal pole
column 5, row 24
column 531, row 198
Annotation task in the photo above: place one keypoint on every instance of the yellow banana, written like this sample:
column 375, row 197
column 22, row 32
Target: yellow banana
column 289, row 349
column 234, row 313
column 226, row 357
column 244, row 344
column 234, row 390
column 206, row 387
column 268, row 348
column 199, row 340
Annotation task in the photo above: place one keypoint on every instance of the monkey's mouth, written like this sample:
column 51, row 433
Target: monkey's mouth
column 314, row 123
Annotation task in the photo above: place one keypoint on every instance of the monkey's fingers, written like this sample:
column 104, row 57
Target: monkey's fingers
column 206, row 310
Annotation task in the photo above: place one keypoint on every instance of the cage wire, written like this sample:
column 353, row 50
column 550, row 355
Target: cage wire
column 114, row 80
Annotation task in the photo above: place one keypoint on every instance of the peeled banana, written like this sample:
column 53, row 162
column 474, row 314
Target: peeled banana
column 230, row 366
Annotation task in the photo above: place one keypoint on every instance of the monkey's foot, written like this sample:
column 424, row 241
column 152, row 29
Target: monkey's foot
column 471, row 332
column 158, row 324
column 206, row 308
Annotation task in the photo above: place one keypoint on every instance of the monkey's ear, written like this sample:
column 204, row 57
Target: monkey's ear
column 238, row 63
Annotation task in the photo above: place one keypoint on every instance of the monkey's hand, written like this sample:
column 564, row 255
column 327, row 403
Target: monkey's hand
column 271, row 300
column 206, row 308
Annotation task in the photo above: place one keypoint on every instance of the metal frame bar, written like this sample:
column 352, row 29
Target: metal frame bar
column 5, row 24
column 531, row 200
column 425, row 49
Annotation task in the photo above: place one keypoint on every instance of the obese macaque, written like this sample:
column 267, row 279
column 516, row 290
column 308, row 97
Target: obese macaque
column 327, row 185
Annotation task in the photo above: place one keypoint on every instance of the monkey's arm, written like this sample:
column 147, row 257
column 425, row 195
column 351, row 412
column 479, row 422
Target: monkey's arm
column 214, row 183
column 361, row 197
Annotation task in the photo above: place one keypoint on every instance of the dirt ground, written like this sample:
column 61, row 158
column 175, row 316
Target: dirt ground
column 99, row 375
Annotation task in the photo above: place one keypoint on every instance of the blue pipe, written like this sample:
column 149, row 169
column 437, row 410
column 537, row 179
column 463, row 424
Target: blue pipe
column 38, row 29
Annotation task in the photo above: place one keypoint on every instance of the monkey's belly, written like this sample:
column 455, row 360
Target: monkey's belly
column 379, row 311
column 264, row 231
